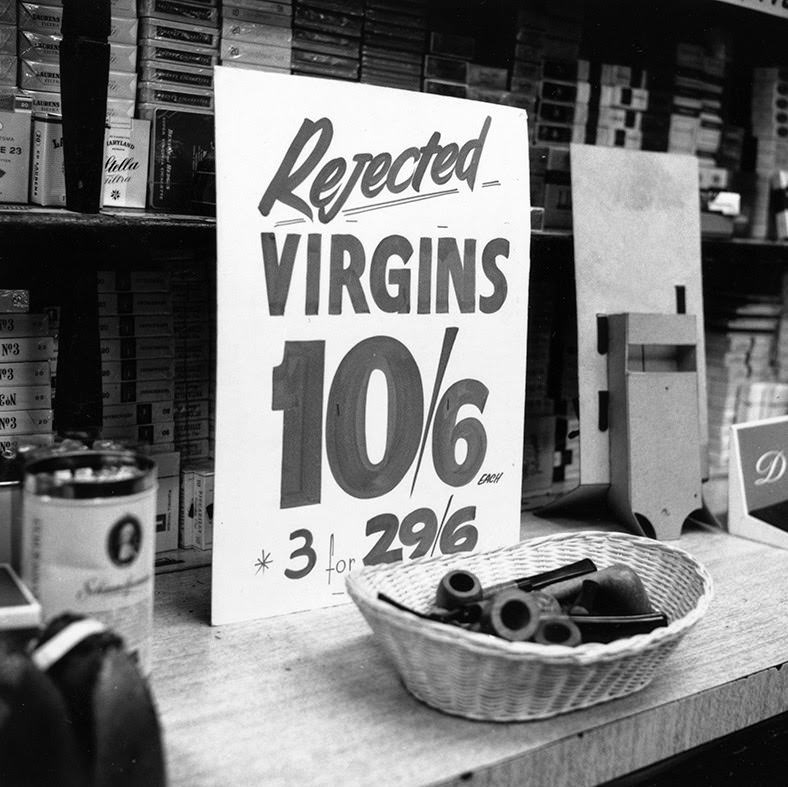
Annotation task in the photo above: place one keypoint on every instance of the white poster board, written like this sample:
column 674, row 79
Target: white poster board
column 373, row 260
column 636, row 229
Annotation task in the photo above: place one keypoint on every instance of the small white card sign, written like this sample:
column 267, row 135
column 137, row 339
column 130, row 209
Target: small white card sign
column 373, row 259
column 758, row 481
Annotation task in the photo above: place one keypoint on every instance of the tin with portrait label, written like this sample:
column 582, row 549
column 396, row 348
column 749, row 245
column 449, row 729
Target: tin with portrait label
column 88, row 540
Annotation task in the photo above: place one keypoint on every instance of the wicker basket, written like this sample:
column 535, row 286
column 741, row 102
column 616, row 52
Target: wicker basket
column 484, row 677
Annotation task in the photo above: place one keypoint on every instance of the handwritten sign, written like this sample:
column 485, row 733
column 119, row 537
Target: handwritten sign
column 758, row 481
column 373, row 260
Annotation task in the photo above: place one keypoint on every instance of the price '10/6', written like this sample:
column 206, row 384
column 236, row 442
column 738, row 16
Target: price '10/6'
column 298, row 384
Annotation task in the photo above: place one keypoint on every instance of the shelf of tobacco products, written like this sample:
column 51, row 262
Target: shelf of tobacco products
column 24, row 218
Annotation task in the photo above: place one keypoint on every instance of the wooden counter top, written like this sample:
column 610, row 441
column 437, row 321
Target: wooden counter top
column 310, row 699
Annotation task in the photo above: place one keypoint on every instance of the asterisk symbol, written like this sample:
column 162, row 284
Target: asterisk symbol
column 115, row 194
column 263, row 562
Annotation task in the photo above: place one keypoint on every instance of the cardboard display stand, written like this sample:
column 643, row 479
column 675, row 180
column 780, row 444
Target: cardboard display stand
column 636, row 233
column 758, row 481
column 655, row 475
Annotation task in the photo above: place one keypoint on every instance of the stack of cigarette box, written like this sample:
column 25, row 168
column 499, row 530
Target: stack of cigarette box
column 685, row 113
column 182, row 163
column 327, row 38
column 769, row 119
column 768, row 398
column 8, row 54
column 195, row 521
column 15, row 146
column 781, row 349
column 177, row 49
column 38, row 50
column 557, row 189
column 257, row 34
column 448, row 71
column 547, row 48
column 741, row 336
column 393, row 43
column 53, row 323
column 710, row 86
column 177, row 43
column 612, row 114
column 47, row 179
column 122, row 83
column 672, row 123
column 137, row 350
column 732, row 358
column 446, row 64
column 756, row 401
column 25, row 376
column 168, row 471
column 539, row 432
column 189, row 26
column 194, row 311
column 38, row 46
column 731, row 151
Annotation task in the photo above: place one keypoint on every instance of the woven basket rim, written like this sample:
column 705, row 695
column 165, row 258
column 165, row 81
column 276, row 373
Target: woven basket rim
column 360, row 590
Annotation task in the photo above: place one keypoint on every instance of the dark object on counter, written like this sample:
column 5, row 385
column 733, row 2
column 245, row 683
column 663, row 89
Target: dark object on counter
column 84, row 72
column 107, row 702
column 558, row 630
column 460, row 587
column 20, row 614
column 183, row 162
column 458, row 615
column 37, row 743
column 511, row 614
column 615, row 590
column 457, row 588
column 606, row 628
column 570, row 605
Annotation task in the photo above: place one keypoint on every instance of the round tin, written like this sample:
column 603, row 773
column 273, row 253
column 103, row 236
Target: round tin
column 88, row 539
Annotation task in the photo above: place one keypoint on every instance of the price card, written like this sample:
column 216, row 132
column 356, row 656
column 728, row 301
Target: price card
column 758, row 481
column 373, row 260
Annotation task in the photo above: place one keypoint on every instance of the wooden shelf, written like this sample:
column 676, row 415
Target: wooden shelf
column 310, row 698
column 31, row 217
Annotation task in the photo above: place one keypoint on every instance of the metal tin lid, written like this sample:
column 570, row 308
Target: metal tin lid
column 82, row 475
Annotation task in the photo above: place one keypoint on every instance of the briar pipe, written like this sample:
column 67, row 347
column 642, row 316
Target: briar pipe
column 614, row 590
column 517, row 616
column 606, row 628
column 460, row 587
column 512, row 614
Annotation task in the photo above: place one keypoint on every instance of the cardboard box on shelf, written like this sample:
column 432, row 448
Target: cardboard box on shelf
column 126, row 164
column 47, row 180
column 15, row 133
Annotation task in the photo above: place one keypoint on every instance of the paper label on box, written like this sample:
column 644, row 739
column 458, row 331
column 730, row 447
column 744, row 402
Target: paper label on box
column 14, row 156
column 126, row 165
column 47, row 179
